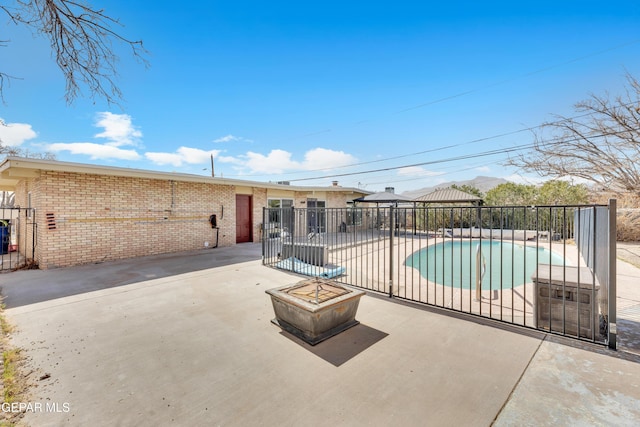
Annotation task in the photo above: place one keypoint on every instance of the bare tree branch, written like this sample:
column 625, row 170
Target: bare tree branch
column 601, row 145
column 81, row 39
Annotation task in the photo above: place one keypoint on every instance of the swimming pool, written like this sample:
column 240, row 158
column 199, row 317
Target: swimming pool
column 507, row 264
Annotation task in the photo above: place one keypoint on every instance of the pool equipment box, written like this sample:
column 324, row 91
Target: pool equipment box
column 310, row 253
column 315, row 309
column 560, row 295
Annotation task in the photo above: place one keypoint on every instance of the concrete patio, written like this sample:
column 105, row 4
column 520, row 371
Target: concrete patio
column 186, row 339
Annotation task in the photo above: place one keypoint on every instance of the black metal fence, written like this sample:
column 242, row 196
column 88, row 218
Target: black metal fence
column 542, row 267
column 18, row 232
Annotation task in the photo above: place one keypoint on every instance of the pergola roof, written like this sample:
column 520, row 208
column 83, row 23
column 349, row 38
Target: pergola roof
column 448, row 195
column 384, row 197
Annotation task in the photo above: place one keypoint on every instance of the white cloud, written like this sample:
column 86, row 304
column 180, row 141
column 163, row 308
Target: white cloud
column 14, row 134
column 232, row 160
column 322, row 158
column 279, row 161
column 118, row 132
column 483, row 169
column 164, row 158
column 95, row 151
column 181, row 156
column 118, row 129
column 417, row 171
column 231, row 138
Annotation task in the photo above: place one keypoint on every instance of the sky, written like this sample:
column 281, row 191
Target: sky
column 370, row 94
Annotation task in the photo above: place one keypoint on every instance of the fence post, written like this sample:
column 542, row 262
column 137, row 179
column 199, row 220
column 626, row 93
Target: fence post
column 611, row 315
column 392, row 226
column 34, row 235
column 262, row 233
column 292, row 225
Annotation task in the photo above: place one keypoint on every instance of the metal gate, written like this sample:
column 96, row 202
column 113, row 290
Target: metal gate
column 550, row 268
column 17, row 238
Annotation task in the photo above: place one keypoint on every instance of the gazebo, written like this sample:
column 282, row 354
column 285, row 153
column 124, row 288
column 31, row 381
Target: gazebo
column 440, row 196
column 449, row 195
column 384, row 197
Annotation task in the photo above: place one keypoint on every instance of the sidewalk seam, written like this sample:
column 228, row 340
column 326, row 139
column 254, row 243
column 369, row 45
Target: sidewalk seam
column 513, row 389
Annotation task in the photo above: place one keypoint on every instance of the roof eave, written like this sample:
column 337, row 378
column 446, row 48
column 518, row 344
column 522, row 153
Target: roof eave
column 26, row 164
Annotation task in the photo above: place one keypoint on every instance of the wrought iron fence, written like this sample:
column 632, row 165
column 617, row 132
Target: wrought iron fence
column 542, row 267
column 17, row 238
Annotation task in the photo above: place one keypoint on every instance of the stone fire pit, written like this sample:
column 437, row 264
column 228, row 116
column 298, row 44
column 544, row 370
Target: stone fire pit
column 315, row 309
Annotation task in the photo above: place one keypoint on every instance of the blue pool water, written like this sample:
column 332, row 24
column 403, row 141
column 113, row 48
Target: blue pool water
column 507, row 264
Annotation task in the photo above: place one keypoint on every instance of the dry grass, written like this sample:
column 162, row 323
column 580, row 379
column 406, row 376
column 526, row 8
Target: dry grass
column 29, row 265
column 11, row 361
column 14, row 381
column 5, row 326
column 628, row 214
column 628, row 225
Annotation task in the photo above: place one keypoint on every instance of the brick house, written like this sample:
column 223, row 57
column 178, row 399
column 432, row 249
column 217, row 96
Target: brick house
column 87, row 213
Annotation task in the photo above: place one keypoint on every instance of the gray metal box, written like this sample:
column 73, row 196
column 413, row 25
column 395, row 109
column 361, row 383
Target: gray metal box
column 311, row 253
column 564, row 303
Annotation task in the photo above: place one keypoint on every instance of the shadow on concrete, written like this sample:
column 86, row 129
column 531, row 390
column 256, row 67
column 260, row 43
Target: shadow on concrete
column 26, row 287
column 628, row 347
column 629, row 337
column 621, row 353
column 342, row 347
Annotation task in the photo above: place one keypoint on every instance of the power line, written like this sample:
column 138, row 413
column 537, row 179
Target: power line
column 488, row 86
column 446, row 147
column 531, row 73
column 392, row 179
column 538, row 71
column 431, row 162
column 552, row 142
column 432, row 150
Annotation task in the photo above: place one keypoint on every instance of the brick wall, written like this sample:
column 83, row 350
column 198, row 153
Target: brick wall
column 86, row 218
column 259, row 201
column 339, row 200
column 98, row 218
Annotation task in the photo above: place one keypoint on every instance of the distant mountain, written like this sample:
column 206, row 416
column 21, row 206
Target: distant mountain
column 482, row 183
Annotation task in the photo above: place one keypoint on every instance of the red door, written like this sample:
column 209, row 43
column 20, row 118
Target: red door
column 243, row 218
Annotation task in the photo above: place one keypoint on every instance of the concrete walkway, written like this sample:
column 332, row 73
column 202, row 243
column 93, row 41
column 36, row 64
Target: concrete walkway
column 186, row 340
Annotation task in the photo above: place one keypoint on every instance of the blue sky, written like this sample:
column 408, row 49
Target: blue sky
column 296, row 90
